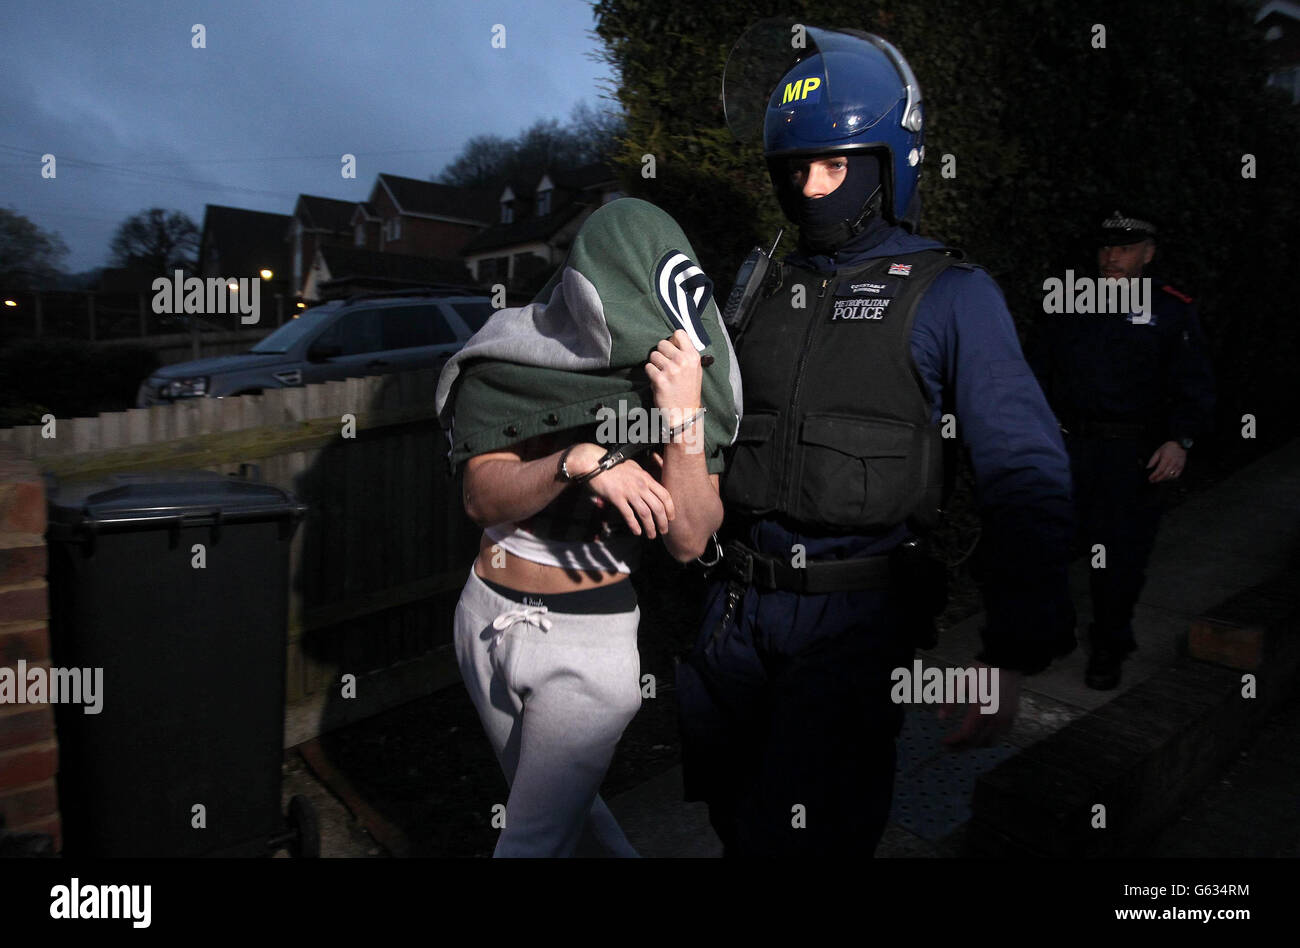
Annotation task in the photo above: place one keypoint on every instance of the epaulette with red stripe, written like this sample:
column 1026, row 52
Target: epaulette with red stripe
column 1177, row 294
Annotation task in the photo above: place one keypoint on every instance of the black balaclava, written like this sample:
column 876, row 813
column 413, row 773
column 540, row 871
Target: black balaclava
column 827, row 223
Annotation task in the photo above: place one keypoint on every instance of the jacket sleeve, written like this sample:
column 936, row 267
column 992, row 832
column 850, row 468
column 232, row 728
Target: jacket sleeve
column 1188, row 381
column 1022, row 471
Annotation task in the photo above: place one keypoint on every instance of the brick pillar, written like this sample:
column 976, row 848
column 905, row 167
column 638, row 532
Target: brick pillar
column 29, row 752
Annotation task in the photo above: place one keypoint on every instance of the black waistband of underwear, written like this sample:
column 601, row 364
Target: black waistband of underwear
column 599, row 600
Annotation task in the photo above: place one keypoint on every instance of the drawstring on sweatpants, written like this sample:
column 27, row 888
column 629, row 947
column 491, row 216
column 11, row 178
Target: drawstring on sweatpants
column 520, row 613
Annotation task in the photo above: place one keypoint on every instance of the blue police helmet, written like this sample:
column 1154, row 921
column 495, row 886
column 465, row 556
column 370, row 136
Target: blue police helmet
column 856, row 94
column 838, row 92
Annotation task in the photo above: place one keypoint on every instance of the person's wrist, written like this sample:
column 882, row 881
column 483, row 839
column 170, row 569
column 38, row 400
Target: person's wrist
column 579, row 459
column 677, row 422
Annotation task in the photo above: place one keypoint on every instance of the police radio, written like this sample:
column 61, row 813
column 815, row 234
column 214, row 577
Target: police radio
column 749, row 284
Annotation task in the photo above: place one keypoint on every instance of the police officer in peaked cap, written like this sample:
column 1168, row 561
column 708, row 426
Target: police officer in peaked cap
column 862, row 339
column 1134, row 394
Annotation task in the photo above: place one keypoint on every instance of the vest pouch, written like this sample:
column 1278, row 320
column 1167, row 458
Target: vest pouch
column 856, row 472
column 749, row 484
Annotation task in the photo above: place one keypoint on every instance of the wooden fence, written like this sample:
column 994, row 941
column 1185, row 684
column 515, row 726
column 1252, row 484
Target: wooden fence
column 380, row 558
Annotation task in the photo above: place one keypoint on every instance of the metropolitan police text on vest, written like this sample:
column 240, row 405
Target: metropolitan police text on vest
column 861, row 308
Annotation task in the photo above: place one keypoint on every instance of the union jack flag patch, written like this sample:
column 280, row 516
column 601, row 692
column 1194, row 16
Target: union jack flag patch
column 900, row 269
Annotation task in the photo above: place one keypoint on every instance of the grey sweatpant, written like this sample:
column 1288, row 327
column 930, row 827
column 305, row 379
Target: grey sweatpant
column 554, row 692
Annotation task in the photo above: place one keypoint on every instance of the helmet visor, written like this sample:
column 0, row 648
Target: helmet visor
column 818, row 83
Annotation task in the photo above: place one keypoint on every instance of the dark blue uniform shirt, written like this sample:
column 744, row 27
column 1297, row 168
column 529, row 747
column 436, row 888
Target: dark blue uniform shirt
column 964, row 343
column 1115, row 370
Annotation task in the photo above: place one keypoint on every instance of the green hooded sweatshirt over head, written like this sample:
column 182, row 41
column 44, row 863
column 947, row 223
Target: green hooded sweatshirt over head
column 578, row 351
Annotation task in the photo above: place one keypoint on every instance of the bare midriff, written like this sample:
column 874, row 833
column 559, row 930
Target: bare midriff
column 501, row 566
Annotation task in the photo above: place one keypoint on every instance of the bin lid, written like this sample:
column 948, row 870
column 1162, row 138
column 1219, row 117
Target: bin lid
column 168, row 497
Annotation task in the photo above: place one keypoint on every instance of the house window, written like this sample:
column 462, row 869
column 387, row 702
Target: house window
column 507, row 213
column 359, row 235
column 393, row 228
column 543, row 202
column 493, row 268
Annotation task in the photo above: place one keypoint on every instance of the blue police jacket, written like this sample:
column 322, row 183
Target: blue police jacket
column 1151, row 370
column 964, row 343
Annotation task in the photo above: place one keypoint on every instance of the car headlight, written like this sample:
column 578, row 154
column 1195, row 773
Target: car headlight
column 185, row 388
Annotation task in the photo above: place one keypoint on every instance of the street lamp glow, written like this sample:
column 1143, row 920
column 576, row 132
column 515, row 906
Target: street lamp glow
column 11, row 302
column 266, row 273
column 234, row 286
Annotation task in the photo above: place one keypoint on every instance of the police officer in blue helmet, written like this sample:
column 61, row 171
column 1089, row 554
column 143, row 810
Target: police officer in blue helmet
column 859, row 344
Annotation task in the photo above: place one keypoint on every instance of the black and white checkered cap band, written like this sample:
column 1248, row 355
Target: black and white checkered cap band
column 1118, row 221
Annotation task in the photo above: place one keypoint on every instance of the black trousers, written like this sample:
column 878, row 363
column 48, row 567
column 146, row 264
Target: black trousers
column 1120, row 509
column 788, row 728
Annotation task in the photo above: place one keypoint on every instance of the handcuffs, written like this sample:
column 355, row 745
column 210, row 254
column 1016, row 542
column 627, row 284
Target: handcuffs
column 618, row 455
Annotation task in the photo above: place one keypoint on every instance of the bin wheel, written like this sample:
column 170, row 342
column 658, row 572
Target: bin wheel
column 306, row 828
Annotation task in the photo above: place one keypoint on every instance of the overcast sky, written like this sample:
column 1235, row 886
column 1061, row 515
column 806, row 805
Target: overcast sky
column 137, row 118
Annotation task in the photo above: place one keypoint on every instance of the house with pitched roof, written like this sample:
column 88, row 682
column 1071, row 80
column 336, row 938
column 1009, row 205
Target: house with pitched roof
column 419, row 218
column 316, row 222
column 236, row 242
column 340, row 271
column 535, row 223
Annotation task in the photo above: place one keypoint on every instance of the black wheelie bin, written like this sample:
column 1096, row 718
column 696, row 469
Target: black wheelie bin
column 173, row 586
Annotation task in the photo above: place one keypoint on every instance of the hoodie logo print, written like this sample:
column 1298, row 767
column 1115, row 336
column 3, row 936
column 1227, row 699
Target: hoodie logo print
column 684, row 291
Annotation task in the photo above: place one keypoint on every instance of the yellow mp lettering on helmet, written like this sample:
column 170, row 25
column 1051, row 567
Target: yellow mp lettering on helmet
column 799, row 89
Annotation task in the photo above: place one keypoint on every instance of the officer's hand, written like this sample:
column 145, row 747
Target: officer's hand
column 676, row 376
column 1168, row 461
column 978, row 729
column 640, row 498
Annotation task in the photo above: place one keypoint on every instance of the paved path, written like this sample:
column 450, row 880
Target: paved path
column 1223, row 540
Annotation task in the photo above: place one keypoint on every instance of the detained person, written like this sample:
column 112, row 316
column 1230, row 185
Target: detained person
column 586, row 423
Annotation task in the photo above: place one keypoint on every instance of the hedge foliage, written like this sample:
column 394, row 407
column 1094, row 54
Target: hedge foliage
column 1048, row 131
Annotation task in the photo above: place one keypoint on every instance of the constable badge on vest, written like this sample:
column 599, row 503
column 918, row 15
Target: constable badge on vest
column 865, row 301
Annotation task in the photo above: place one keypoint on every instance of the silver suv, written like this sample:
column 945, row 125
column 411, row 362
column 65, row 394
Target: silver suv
column 371, row 335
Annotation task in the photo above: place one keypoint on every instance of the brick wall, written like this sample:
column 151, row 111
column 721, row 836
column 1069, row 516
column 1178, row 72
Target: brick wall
column 29, row 753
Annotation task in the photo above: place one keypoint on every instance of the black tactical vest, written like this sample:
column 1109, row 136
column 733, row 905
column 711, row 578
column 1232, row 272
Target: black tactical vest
column 837, row 433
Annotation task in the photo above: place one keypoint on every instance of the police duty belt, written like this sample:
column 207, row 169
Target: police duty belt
column 748, row 566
